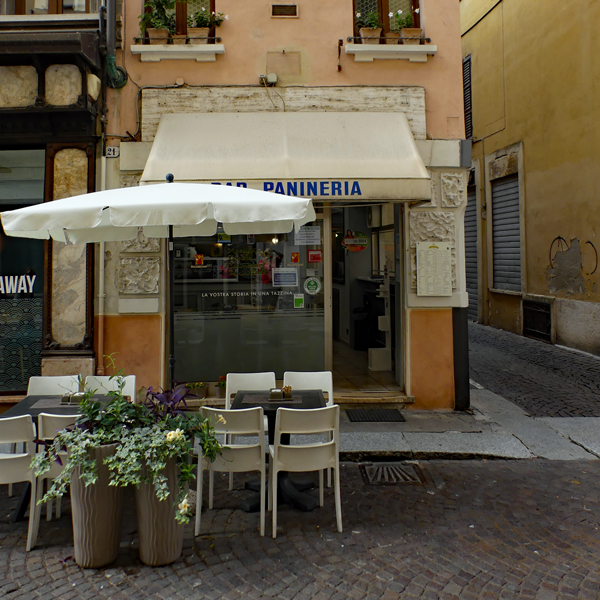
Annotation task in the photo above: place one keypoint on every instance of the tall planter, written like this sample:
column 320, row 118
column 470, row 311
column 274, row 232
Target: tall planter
column 198, row 35
column 97, row 510
column 160, row 535
column 411, row 35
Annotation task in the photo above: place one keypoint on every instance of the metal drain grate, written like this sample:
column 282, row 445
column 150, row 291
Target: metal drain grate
column 375, row 415
column 391, row 474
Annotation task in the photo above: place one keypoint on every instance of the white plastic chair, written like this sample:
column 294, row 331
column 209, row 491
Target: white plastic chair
column 246, row 381
column 52, row 385
column 312, row 380
column 48, row 426
column 235, row 458
column 104, row 383
column 307, row 457
column 15, row 468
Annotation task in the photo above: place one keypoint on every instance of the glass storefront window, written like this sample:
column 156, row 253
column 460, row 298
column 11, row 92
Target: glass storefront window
column 249, row 303
column 21, row 273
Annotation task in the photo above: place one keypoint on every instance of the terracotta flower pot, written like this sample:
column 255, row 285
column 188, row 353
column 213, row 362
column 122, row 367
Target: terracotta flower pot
column 411, row 35
column 392, row 37
column 158, row 36
column 367, row 32
column 198, row 35
column 220, row 391
column 97, row 511
column 179, row 39
column 161, row 536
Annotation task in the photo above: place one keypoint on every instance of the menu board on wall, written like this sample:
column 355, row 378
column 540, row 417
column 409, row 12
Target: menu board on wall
column 434, row 269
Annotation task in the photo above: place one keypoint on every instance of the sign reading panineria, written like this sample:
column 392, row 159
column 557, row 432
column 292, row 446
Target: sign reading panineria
column 341, row 188
column 17, row 284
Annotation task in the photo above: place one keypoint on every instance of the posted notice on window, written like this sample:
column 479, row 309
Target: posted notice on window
column 285, row 277
column 309, row 235
column 434, row 269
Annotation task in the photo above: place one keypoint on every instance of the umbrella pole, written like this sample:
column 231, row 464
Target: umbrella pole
column 171, row 308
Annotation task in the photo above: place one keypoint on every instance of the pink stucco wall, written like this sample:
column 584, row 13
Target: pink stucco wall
column 251, row 32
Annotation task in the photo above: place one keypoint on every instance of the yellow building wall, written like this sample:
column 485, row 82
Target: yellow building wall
column 535, row 73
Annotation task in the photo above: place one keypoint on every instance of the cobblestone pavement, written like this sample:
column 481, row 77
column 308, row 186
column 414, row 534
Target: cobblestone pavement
column 543, row 379
column 473, row 530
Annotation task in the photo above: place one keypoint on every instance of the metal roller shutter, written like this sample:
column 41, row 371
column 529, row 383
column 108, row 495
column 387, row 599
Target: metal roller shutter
column 506, row 233
column 471, row 251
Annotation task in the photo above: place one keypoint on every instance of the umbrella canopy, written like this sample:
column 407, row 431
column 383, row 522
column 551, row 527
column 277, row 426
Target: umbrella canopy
column 192, row 209
column 164, row 210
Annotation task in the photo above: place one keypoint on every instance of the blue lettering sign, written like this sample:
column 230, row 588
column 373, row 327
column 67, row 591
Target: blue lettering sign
column 311, row 188
column 279, row 188
column 324, row 188
column 242, row 184
column 268, row 186
column 355, row 189
column 336, row 188
column 292, row 188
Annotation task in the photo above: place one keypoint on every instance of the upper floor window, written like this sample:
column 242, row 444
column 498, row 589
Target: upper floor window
column 48, row 7
column 386, row 7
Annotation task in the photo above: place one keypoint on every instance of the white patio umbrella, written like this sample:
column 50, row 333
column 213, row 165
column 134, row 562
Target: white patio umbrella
column 164, row 211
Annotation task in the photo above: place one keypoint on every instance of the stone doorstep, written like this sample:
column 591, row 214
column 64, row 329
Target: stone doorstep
column 11, row 399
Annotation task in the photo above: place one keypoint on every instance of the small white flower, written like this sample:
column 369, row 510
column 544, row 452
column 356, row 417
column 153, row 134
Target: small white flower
column 226, row 17
column 221, row 419
column 399, row 12
column 391, row 15
column 173, row 436
column 358, row 15
column 184, row 505
column 417, row 11
column 203, row 9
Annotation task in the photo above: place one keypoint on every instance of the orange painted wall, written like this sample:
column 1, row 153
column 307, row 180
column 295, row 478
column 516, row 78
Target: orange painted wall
column 431, row 359
column 251, row 33
column 137, row 342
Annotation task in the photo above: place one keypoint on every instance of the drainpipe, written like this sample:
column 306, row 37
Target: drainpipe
column 101, row 285
column 116, row 76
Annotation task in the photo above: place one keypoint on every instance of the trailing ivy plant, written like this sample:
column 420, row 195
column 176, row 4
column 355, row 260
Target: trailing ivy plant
column 146, row 435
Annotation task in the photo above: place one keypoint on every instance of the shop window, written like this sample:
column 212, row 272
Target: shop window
column 385, row 7
column 382, row 249
column 21, row 274
column 249, row 303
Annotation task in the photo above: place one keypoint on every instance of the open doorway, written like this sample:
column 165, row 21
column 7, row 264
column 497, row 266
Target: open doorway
column 364, row 301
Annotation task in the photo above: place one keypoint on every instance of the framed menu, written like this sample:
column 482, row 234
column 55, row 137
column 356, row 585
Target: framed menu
column 434, row 269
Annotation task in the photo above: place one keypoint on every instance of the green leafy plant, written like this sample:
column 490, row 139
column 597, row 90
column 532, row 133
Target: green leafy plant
column 402, row 21
column 204, row 18
column 146, row 435
column 158, row 14
column 370, row 20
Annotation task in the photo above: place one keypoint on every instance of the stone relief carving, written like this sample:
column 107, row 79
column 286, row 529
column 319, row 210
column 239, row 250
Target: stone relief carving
column 452, row 188
column 435, row 226
column 435, row 182
column 141, row 244
column 63, row 85
column 138, row 275
column 18, row 86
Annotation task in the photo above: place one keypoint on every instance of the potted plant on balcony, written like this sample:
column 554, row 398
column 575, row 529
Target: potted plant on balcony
column 200, row 24
column 410, row 34
column 158, row 20
column 220, row 386
column 369, row 27
column 116, row 444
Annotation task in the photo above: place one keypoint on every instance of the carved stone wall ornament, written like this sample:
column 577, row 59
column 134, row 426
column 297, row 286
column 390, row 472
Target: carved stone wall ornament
column 138, row 275
column 453, row 190
column 18, row 86
column 141, row 244
column 63, row 85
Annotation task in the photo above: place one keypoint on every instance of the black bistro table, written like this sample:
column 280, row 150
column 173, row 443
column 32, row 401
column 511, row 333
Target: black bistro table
column 289, row 491
column 34, row 405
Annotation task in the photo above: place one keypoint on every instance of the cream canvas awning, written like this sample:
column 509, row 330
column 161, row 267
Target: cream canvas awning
column 327, row 156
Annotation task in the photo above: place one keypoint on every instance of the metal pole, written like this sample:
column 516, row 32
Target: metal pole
column 171, row 255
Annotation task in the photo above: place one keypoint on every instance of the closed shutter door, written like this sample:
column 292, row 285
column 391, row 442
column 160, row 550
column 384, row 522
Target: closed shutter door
column 471, row 251
column 506, row 233
column 467, row 97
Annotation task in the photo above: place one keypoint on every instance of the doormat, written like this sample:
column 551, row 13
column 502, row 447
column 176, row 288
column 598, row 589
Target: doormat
column 375, row 415
column 391, row 474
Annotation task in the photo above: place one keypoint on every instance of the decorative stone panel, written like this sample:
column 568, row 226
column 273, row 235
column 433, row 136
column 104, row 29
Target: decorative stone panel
column 70, row 173
column 435, row 189
column 453, row 189
column 18, row 86
column 130, row 180
column 138, row 275
column 141, row 244
column 63, row 85
column 504, row 166
column 68, row 310
column 431, row 226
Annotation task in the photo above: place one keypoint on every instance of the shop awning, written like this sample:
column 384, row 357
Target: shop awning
column 329, row 157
